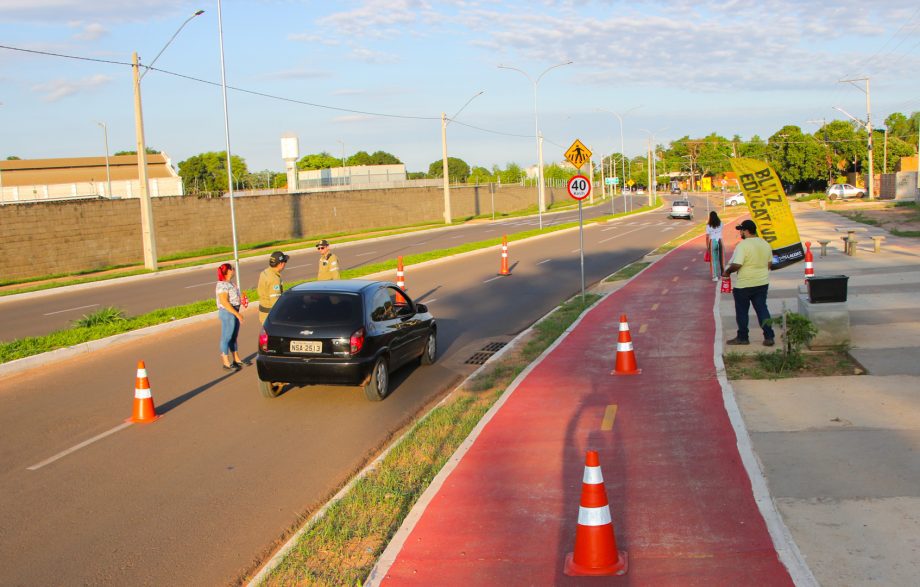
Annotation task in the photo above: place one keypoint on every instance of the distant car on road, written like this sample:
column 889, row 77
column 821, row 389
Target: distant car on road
column 735, row 199
column 844, row 191
column 343, row 332
column 681, row 209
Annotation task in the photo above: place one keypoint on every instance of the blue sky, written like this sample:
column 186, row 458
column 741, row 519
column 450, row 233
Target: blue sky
column 674, row 68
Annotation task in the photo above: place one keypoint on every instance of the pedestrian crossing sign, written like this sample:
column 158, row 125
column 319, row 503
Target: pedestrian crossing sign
column 578, row 154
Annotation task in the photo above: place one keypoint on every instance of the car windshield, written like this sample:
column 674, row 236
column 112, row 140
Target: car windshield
column 317, row 309
column 681, row 203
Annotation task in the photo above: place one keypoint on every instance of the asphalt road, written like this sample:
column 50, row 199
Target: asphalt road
column 43, row 312
column 207, row 492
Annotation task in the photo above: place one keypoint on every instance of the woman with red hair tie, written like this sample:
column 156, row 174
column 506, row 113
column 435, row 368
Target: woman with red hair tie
column 228, row 311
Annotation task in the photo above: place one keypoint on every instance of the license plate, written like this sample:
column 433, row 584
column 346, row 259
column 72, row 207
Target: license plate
column 306, row 346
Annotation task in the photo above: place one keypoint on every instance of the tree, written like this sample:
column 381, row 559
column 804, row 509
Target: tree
column 207, row 172
column 457, row 169
column 796, row 157
column 384, row 158
column 511, row 174
column 318, row 161
column 480, row 175
column 150, row 151
column 13, row 158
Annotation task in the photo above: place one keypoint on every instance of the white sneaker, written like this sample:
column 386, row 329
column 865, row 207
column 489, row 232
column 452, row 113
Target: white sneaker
column 715, row 279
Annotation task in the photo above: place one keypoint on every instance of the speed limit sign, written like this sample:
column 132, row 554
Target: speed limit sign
column 579, row 187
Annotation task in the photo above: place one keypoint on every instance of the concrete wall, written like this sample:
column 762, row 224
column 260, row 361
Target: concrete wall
column 44, row 238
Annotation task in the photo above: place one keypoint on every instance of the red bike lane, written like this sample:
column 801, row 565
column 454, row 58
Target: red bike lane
column 680, row 498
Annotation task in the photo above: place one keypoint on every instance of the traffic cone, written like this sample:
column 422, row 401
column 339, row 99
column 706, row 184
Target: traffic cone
column 595, row 551
column 626, row 357
column 400, row 279
column 809, row 262
column 144, row 410
column 504, row 269
column 726, row 285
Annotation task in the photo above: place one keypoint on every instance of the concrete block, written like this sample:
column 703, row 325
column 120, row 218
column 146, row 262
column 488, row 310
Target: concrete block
column 832, row 321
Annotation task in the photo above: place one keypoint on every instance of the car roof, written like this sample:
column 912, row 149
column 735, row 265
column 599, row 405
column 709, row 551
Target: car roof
column 338, row 285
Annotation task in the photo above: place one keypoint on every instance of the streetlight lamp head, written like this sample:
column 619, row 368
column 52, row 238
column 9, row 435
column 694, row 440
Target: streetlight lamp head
column 198, row 12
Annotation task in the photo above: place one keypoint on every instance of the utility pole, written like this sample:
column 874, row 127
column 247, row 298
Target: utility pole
column 447, row 218
column 148, row 234
column 108, row 175
column 870, row 192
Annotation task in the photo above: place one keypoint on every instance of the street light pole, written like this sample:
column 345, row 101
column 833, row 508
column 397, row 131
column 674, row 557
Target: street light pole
column 444, row 167
column 541, row 199
column 148, row 233
column 340, row 141
column 870, row 188
column 223, row 83
column 108, row 176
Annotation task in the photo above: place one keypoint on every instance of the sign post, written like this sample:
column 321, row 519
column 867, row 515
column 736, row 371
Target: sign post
column 579, row 187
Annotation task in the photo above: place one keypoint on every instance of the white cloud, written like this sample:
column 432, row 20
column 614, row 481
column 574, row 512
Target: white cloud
column 297, row 74
column 370, row 56
column 68, row 10
column 58, row 89
column 314, row 39
column 379, row 18
column 89, row 32
column 348, row 118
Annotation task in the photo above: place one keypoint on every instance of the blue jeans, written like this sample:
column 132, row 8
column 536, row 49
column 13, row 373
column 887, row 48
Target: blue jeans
column 229, row 330
column 751, row 296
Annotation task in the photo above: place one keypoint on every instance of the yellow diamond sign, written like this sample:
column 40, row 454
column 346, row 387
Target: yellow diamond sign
column 578, row 154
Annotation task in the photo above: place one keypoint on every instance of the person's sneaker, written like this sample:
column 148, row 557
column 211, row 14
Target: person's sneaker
column 768, row 342
column 737, row 341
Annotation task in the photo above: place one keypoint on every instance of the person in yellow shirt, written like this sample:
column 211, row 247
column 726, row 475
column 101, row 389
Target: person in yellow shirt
column 328, row 262
column 270, row 285
column 752, row 260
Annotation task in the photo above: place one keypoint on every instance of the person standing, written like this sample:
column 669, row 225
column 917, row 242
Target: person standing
column 752, row 260
column 270, row 285
column 328, row 262
column 228, row 312
column 714, row 245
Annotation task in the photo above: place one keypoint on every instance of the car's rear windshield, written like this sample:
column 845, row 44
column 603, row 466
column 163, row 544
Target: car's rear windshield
column 317, row 308
column 681, row 203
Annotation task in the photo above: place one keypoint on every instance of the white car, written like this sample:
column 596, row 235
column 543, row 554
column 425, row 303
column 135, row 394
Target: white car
column 735, row 200
column 843, row 191
column 681, row 209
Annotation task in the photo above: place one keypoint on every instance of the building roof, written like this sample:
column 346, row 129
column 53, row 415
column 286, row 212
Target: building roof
column 28, row 172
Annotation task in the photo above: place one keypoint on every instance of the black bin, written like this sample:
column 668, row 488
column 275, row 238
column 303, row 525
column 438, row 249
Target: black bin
column 827, row 289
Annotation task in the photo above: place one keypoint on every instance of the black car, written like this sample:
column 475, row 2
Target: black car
column 343, row 332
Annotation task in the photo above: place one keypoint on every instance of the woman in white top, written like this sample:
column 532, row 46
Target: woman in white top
column 228, row 311
column 714, row 245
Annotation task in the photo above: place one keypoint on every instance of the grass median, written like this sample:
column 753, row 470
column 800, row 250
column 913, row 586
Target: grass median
column 342, row 545
column 34, row 345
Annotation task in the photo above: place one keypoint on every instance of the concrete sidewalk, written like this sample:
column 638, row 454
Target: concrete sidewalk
column 688, row 499
column 841, row 453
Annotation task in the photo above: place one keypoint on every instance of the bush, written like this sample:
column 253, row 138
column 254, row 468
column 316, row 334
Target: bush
column 101, row 317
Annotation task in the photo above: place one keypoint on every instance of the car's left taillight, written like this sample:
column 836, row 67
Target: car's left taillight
column 263, row 340
column 356, row 342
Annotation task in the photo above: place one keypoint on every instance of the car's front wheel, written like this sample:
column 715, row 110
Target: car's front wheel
column 431, row 350
column 378, row 383
column 270, row 389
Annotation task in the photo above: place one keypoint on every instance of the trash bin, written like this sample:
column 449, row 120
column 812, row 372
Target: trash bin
column 827, row 288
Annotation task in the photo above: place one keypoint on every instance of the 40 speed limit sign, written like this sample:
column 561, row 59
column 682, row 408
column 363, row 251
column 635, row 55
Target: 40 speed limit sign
column 579, row 187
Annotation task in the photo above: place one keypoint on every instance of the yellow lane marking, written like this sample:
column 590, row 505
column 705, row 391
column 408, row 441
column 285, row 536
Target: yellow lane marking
column 664, row 291
column 609, row 414
column 686, row 267
column 655, row 307
column 675, row 278
column 643, row 328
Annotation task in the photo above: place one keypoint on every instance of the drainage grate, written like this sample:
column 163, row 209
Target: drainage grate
column 481, row 356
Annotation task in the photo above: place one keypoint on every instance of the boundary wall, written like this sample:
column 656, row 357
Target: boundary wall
column 45, row 238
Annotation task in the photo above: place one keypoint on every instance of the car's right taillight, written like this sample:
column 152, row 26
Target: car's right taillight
column 263, row 340
column 356, row 342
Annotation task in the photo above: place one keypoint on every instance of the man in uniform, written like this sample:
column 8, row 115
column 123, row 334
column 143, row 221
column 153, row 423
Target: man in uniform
column 752, row 260
column 328, row 262
column 270, row 286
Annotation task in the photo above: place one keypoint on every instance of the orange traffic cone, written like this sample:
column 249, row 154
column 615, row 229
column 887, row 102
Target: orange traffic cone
column 144, row 410
column 626, row 357
column 809, row 262
column 595, row 551
column 400, row 279
column 504, row 269
column 726, row 285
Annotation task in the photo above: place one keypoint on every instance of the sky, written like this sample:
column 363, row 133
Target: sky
column 377, row 74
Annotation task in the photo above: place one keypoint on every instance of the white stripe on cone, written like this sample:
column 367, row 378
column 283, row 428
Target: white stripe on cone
column 593, row 476
column 594, row 516
column 142, row 373
column 624, row 346
column 624, row 326
column 142, row 393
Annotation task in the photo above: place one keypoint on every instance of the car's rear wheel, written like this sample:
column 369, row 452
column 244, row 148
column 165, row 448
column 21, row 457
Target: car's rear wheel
column 378, row 384
column 832, row 197
column 270, row 389
column 431, row 350
column 861, row 195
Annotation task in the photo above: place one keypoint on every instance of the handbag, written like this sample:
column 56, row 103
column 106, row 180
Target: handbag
column 708, row 256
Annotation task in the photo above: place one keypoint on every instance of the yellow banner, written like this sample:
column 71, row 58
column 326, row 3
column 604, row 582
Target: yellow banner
column 770, row 210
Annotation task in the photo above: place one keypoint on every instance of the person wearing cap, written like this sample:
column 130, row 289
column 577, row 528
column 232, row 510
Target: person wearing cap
column 270, row 285
column 752, row 261
column 328, row 262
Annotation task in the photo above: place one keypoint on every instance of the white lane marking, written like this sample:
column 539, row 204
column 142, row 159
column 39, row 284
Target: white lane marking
column 71, row 309
column 458, row 236
column 609, row 228
column 544, row 261
column 576, row 250
column 493, row 279
column 418, row 244
column 619, row 235
column 63, row 454
column 490, row 230
column 365, row 254
column 199, row 284
column 300, row 266
column 431, row 301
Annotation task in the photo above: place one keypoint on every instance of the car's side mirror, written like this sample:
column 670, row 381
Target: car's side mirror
column 422, row 308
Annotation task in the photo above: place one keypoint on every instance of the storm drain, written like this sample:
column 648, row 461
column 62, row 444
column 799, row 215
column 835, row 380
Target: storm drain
column 484, row 354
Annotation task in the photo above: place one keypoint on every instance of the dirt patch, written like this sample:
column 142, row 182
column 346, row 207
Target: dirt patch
column 817, row 364
column 884, row 215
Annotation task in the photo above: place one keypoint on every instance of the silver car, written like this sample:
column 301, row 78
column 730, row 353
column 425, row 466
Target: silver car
column 844, row 191
column 735, row 200
column 681, row 209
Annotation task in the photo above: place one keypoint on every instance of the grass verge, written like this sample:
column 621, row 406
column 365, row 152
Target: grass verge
column 629, row 271
column 34, row 345
column 816, row 364
column 341, row 547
